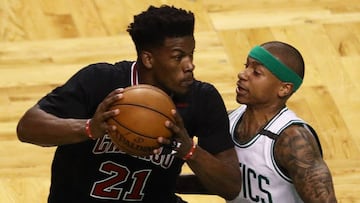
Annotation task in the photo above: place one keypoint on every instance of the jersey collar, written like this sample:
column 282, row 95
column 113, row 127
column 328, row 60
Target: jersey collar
column 134, row 75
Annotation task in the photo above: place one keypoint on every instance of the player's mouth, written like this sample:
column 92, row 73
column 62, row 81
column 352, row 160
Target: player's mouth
column 187, row 81
column 240, row 89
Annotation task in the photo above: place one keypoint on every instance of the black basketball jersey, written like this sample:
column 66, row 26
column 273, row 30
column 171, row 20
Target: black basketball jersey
column 95, row 170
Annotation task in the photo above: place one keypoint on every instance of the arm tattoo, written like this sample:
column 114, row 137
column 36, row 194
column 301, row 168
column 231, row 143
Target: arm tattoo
column 297, row 153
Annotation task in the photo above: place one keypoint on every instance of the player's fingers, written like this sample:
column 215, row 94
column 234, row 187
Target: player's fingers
column 178, row 120
column 116, row 91
column 114, row 96
column 172, row 127
column 164, row 141
column 169, row 146
column 110, row 113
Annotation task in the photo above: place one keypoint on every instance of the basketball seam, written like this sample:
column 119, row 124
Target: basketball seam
column 138, row 105
column 132, row 130
column 130, row 104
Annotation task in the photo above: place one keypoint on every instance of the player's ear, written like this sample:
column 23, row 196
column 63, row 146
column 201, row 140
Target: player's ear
column 146, row 58
column 285, row 89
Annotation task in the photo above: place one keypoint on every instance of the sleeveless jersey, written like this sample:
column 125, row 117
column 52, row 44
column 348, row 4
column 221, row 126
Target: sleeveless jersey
column 96, row 171
column 262, row 179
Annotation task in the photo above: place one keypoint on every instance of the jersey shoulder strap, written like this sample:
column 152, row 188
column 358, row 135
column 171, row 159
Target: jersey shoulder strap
column 284, row 119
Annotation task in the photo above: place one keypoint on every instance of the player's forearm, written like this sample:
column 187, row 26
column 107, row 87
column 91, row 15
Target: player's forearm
column 215, row 175
column 38, row 127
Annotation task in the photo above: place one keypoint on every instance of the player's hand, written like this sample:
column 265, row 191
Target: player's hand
column 180, row 143
column 98, row 125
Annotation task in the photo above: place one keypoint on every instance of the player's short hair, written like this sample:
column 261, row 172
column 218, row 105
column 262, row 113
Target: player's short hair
column 288, row 54
column 151, row 27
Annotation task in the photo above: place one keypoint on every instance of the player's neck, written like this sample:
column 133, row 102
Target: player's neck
column 263, row 112
column 253, row 121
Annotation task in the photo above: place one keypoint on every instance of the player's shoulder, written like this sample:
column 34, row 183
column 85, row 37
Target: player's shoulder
column 295, row 129
column 105, row 66
column 298, row 135
column 296, row 142
column 289, row 127
column 100, row 69
column 206, row 95
column 201, row 85
column 205, row 89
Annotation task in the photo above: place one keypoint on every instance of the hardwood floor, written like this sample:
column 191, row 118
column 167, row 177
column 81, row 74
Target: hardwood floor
column 44, row 42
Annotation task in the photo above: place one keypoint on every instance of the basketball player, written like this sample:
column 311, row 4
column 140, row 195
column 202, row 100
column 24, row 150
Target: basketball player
column 88, row 168
column 279, row 154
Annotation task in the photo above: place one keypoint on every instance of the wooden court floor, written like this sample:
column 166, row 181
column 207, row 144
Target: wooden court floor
column 44, row 42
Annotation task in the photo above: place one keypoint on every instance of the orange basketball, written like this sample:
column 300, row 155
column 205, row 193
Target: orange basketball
column 143, row 112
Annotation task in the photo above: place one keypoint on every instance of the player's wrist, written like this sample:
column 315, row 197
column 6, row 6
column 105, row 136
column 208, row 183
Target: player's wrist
column 191, row 152
column 88, row 129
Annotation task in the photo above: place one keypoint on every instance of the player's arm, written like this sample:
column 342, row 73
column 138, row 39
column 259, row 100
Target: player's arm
column 41, row 128
column 297, row 153
column 192, row 184
column 219, row 174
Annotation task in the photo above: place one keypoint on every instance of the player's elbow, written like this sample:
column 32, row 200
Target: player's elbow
column 24, row 133
column 21, row 132
column 233, row 193
column 230, row 191
column 234, row 188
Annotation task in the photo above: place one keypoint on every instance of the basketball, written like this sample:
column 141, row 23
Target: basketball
column 143, row 112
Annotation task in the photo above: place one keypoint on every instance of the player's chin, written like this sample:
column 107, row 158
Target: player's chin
column 180, row 91
column 241, row 98
column 183, row 87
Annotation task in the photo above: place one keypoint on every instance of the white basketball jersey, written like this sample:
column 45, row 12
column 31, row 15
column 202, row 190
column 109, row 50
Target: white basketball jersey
column 262, row 180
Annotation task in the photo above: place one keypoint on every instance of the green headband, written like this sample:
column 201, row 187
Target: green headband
column 275, row 66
